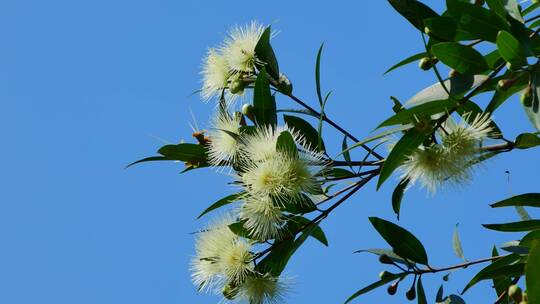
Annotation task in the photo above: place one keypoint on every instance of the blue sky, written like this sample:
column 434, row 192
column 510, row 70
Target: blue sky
column 89, row 86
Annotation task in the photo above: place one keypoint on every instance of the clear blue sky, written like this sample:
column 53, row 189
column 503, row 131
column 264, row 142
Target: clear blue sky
column 89, row 86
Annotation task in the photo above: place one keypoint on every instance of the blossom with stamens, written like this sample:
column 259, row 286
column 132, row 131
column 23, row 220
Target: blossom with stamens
column 224, row 139
column 262, row 218
column 239, row 47
column 215, row 73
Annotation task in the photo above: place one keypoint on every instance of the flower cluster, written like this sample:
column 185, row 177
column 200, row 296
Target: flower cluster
column 230, row 65
column 452, row 159
column 274, row 179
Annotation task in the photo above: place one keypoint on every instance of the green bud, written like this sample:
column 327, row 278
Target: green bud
column 526, row 97
column 503, row 84
column 237, row 86
column 229, row 291
column 426, row 63
column 385, row 274
column 427, row 30
column 247, row 109
column 385, row 259
column 392, row 289
column 515, row 293
column 284, row 84
column 411, row 294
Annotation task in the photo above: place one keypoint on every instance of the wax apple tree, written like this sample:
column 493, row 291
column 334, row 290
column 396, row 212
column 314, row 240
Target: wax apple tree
column 285, row 182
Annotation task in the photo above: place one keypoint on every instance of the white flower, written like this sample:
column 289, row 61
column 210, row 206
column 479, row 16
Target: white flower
column 453, row 159
column 262, row 218
column 221, row 257
column 224, row 146
column 216, row 73
column 262, row 289
column 239, row 47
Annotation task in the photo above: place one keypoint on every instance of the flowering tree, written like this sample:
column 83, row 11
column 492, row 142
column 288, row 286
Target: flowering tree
column 288, row 183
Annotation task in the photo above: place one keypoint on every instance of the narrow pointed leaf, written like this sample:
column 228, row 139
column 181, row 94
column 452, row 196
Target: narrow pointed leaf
column 374, row 285
column 403, row 243
column 515, row 226
column 532, row 273
column 488, row 271
column 527, row 199
column 462, row 58
column 406, row 61
column 222, row 202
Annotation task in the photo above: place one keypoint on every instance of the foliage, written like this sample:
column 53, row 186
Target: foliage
column 287, row 175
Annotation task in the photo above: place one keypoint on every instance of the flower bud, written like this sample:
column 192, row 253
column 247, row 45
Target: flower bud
column 237, row 86
column 515, row 293
column 385, row 259
column 511, row 67
column 392, row 289
column 526, row 97
column 247, row 110
column 284, row 84
column 427, row 30
column 427, row 63
column 411, row 294
column 453, row 73
column 229, row 291
column 504, row 84
column 385, row 274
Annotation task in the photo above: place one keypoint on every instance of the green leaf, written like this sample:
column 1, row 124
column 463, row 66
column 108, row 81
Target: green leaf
column 295, row 223
column 403, row 148
column 394, row 257
column 454, row 299
column 532, row 273
column 440, row 294
column 530, row 9
column 265, row 53
column 148, row 159
column 274, row 263
column 456, row 244
column 406, row 61
column 501, row 95
column 397, row 196
column 374, row 285
column 462, row 58
column 414, row 11
column 441, row 28
column 501, row 7
column 421, row 294
column 515, row 226
column 475, row 20
column 338, row 173
column 308, row 132
column 318, row 75
column 528, row 239
column 527, row 140
column 191, row 153
column 345, row 151
column 457, row 85
column 500, row 284
column 527, row 199
column 263, row 102
column 222, row 202
column 285, row 143
column 403, row 243
column 489, row 271
column 510, row 49
column 300, row 205
column 239, row 229
column 411, row 115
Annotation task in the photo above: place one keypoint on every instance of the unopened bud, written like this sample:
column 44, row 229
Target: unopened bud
column 515, row 293
column 385, row 259
column 453, row 73
column 392, row 289
column 229, row 291
column 411, row 294
column 426, row 63
column 511, row 67
column 503, row 84
column 385, row 274
column 237, row 86
column 247, row 110
column 285, row 85
column 526, row 97
column 427, row 30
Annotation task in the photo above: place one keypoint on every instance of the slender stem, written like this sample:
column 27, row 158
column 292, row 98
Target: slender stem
column 532, row 18
column 337, row 163
column 359, row 174
column 457, row 266
column 333, row 124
